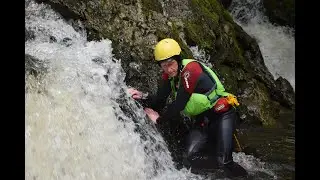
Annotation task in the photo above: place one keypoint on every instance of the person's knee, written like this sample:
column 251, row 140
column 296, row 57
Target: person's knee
column 195, row 142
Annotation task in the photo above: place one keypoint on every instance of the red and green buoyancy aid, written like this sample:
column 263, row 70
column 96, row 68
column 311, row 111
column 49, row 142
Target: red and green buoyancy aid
column 199, row 103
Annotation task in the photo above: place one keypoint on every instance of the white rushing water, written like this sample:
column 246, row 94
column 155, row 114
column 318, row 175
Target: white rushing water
column 277, row 43
column 75, row 128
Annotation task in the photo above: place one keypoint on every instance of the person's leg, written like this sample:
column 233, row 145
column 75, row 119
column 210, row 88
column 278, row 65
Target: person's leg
column 196, row 155
column 195, row 142
column 223, row 130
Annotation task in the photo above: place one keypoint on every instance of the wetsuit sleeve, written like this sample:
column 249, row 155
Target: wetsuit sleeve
column 158, row 101
column 174, row 109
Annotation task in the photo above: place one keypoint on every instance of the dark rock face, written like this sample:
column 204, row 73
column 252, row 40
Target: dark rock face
column 134, row 27
column 281, row 12
column 225, row 3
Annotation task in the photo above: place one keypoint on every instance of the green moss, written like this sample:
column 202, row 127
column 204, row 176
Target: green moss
column 267, row 108
column 212, row 19
column 208, row 10
column 204, row 27
column 153, row 5
column 227, row 16
column 229, row 76
column 240, row 74
column 186, row 52
column 103, row 2
column 161, row 35
column 216, row 6
column 262, row 111
column 197, row 34
column 238, row 51
column 266, row 114
column 210, row 5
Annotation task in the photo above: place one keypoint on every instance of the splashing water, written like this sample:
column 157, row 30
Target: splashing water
column 75, row 129
column 277, row 43
column 80, row 123
column 200, row 54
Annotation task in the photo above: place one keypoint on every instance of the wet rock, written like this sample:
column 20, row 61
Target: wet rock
column 35, row 71
column 34, row 66
column 281, row 12
column 98, row 60
column 287, row 95
column 60, row 7
column 67, row 42
column 29, row 35
column 52, row 39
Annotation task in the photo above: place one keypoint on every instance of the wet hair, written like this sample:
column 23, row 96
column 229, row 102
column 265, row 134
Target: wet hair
column 178, row 58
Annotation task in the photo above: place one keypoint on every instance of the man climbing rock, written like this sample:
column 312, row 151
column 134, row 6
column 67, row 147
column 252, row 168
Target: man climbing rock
column 199, row 94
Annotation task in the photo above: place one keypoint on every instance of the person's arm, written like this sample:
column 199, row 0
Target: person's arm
column 174, row 109
column 158, row 101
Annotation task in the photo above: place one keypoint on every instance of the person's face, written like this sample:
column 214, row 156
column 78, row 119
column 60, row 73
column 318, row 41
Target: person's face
column 170, row 67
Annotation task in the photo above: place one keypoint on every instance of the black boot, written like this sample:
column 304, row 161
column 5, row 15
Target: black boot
column 233, row 170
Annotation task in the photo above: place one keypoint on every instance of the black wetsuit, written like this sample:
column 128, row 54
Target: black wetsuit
column 211, row 133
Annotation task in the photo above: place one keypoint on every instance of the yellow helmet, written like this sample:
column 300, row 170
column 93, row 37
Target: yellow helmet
column 166, row 48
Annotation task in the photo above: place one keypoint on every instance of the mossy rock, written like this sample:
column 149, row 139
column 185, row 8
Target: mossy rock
column 152, row 5
column 227, row 16
column 204, row 27
column 258, row 104
column 212, row 6
column 208, row 12
column 199, row 35
column 227, row 76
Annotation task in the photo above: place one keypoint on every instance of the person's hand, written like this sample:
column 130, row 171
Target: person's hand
column 135, row 94
column 153, row 115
